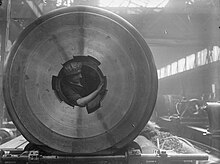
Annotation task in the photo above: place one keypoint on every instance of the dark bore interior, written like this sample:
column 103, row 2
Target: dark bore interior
column 91, row 78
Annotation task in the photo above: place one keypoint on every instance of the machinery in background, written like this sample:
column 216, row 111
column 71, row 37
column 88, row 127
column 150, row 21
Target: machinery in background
column 194, row 119
column 6, row 134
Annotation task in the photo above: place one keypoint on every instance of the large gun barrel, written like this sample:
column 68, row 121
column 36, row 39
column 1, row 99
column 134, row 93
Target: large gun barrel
column 111, row 51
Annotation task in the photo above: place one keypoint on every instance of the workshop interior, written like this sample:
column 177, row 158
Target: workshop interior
column 109, row 81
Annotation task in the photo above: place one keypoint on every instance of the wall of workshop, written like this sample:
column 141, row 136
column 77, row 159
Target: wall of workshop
column 166, row 54
column 203, row 80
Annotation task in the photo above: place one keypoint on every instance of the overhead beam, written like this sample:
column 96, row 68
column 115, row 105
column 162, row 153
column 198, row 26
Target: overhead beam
column 34, row 7
column 167, row 10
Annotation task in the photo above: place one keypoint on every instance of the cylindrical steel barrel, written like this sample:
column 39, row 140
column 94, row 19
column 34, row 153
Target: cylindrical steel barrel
column 115, row 50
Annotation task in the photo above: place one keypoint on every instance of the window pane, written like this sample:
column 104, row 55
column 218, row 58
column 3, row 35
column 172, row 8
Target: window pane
column 174, row 68
column 181, row 65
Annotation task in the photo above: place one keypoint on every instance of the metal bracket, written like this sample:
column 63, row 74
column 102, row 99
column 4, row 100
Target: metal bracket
column 33, row 157
column 133, row 156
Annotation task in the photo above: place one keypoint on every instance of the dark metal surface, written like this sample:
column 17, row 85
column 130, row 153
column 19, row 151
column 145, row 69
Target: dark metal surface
column 137, row 157
column 57, row 37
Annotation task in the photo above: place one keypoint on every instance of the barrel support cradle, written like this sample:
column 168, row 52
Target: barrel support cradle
column 131, row 157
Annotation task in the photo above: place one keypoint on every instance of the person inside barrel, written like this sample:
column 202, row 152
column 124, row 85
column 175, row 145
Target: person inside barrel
column 73, row 86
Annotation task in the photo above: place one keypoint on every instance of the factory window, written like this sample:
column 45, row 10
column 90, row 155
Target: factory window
column 210, row 56
column 202, row 57
column 158, row 73
column 216, row 53
column 181, row 65
column 174, row 68
column 162, row 72
column 190, row 62
column 213, row 91
column 168, row 70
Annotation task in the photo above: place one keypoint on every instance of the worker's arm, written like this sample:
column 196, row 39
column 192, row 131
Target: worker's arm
column 85, row 100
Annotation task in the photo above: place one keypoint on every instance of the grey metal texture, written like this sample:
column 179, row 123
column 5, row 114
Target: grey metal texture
column 57, row 37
